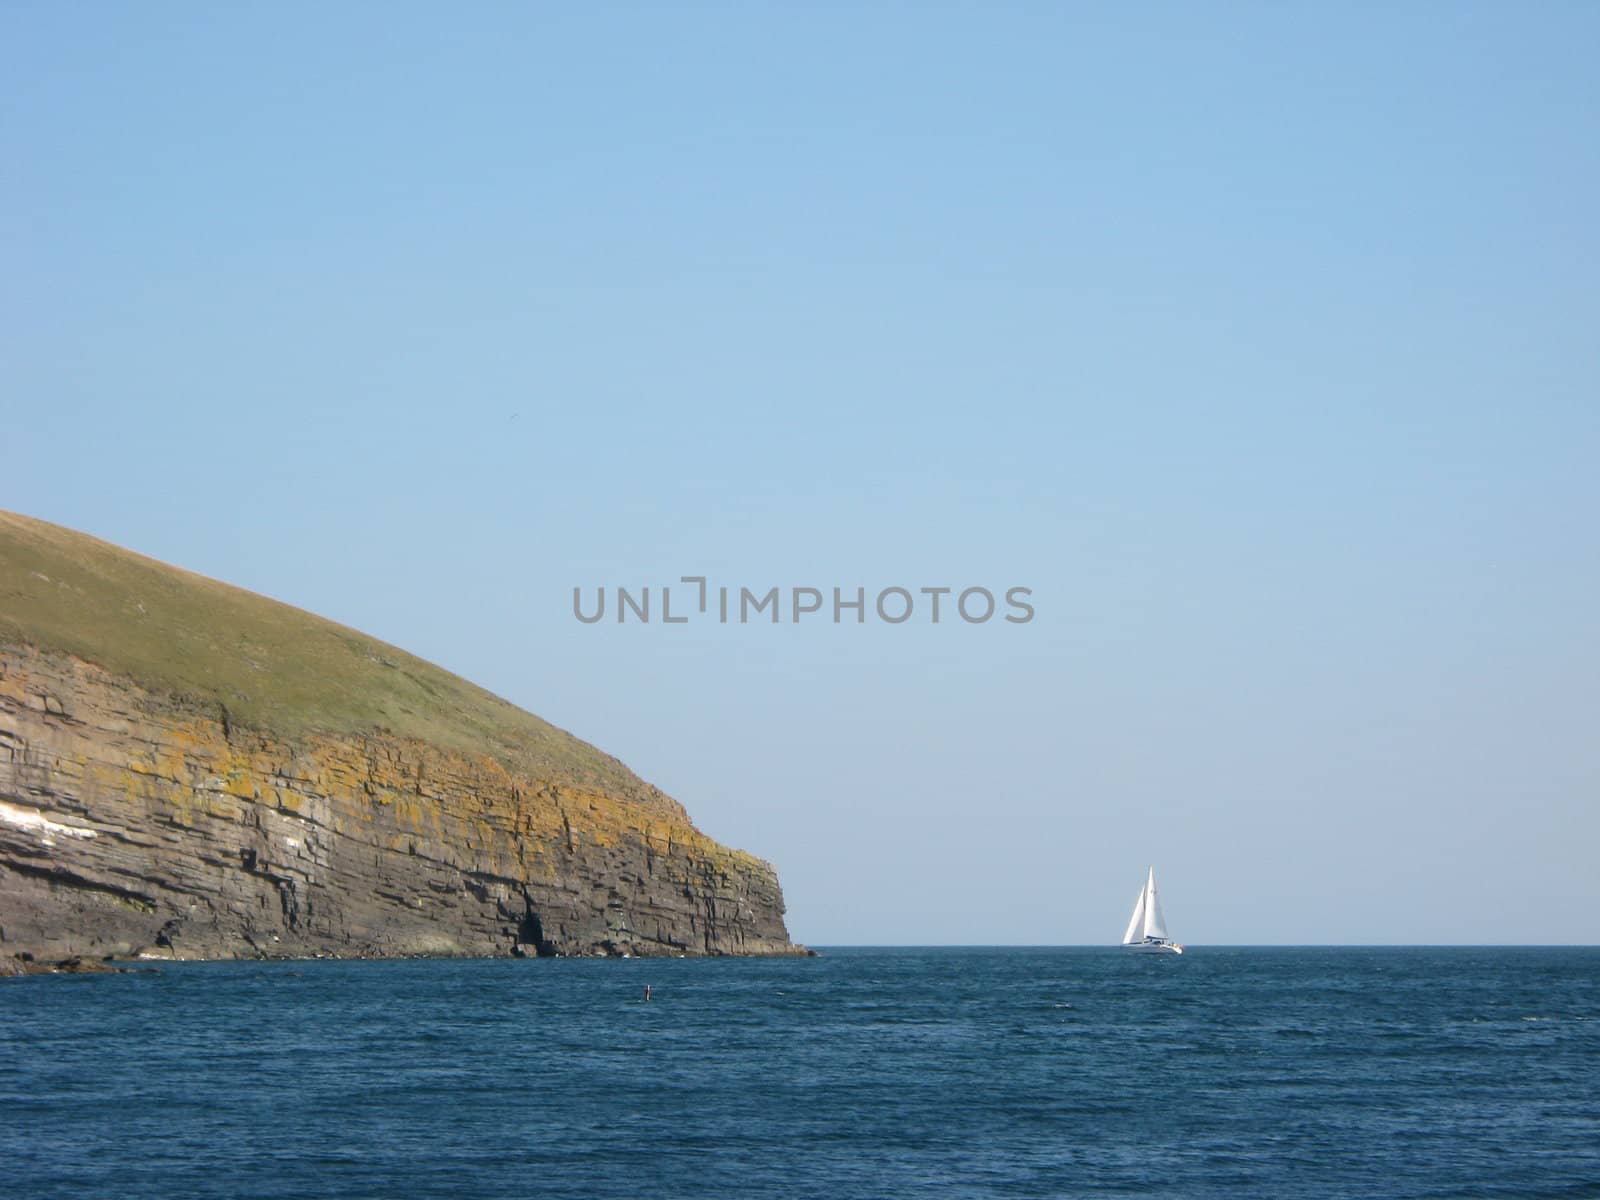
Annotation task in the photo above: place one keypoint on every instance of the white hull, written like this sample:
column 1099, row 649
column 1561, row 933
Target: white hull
column 1153, row 948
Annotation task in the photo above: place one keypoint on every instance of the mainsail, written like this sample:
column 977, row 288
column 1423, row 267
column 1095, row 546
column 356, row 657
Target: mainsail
column 1154, row 924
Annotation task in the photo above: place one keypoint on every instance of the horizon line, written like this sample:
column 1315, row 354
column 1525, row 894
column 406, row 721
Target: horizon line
column 1206, row 945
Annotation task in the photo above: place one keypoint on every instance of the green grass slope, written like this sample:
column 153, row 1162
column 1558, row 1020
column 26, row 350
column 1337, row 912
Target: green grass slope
column 273, row 666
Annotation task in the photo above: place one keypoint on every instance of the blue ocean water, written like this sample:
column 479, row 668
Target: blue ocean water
column 864, row 1073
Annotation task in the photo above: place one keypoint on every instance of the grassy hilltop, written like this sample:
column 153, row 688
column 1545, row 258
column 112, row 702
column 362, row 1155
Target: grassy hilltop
column 270, row 665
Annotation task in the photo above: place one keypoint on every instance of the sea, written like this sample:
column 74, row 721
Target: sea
column 865, row 1072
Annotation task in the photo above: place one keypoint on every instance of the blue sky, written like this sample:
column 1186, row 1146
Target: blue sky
column 1257, row 340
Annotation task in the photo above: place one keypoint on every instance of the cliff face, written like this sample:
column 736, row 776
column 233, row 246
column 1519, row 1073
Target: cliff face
column 137, row 819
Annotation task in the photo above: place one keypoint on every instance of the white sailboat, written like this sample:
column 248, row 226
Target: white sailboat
column 1147, row 928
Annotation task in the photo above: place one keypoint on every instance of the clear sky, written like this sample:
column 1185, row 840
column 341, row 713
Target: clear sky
column 1258, row 340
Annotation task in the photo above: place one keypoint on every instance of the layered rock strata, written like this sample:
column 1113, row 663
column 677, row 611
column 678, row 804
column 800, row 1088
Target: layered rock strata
column 136, row 821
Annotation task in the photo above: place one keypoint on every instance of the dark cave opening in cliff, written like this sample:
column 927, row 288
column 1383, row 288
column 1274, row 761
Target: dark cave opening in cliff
column 530, row 932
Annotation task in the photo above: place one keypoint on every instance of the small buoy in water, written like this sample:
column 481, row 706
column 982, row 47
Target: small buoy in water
column 647, row 993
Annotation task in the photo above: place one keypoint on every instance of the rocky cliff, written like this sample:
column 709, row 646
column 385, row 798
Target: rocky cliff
column 188, row 769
